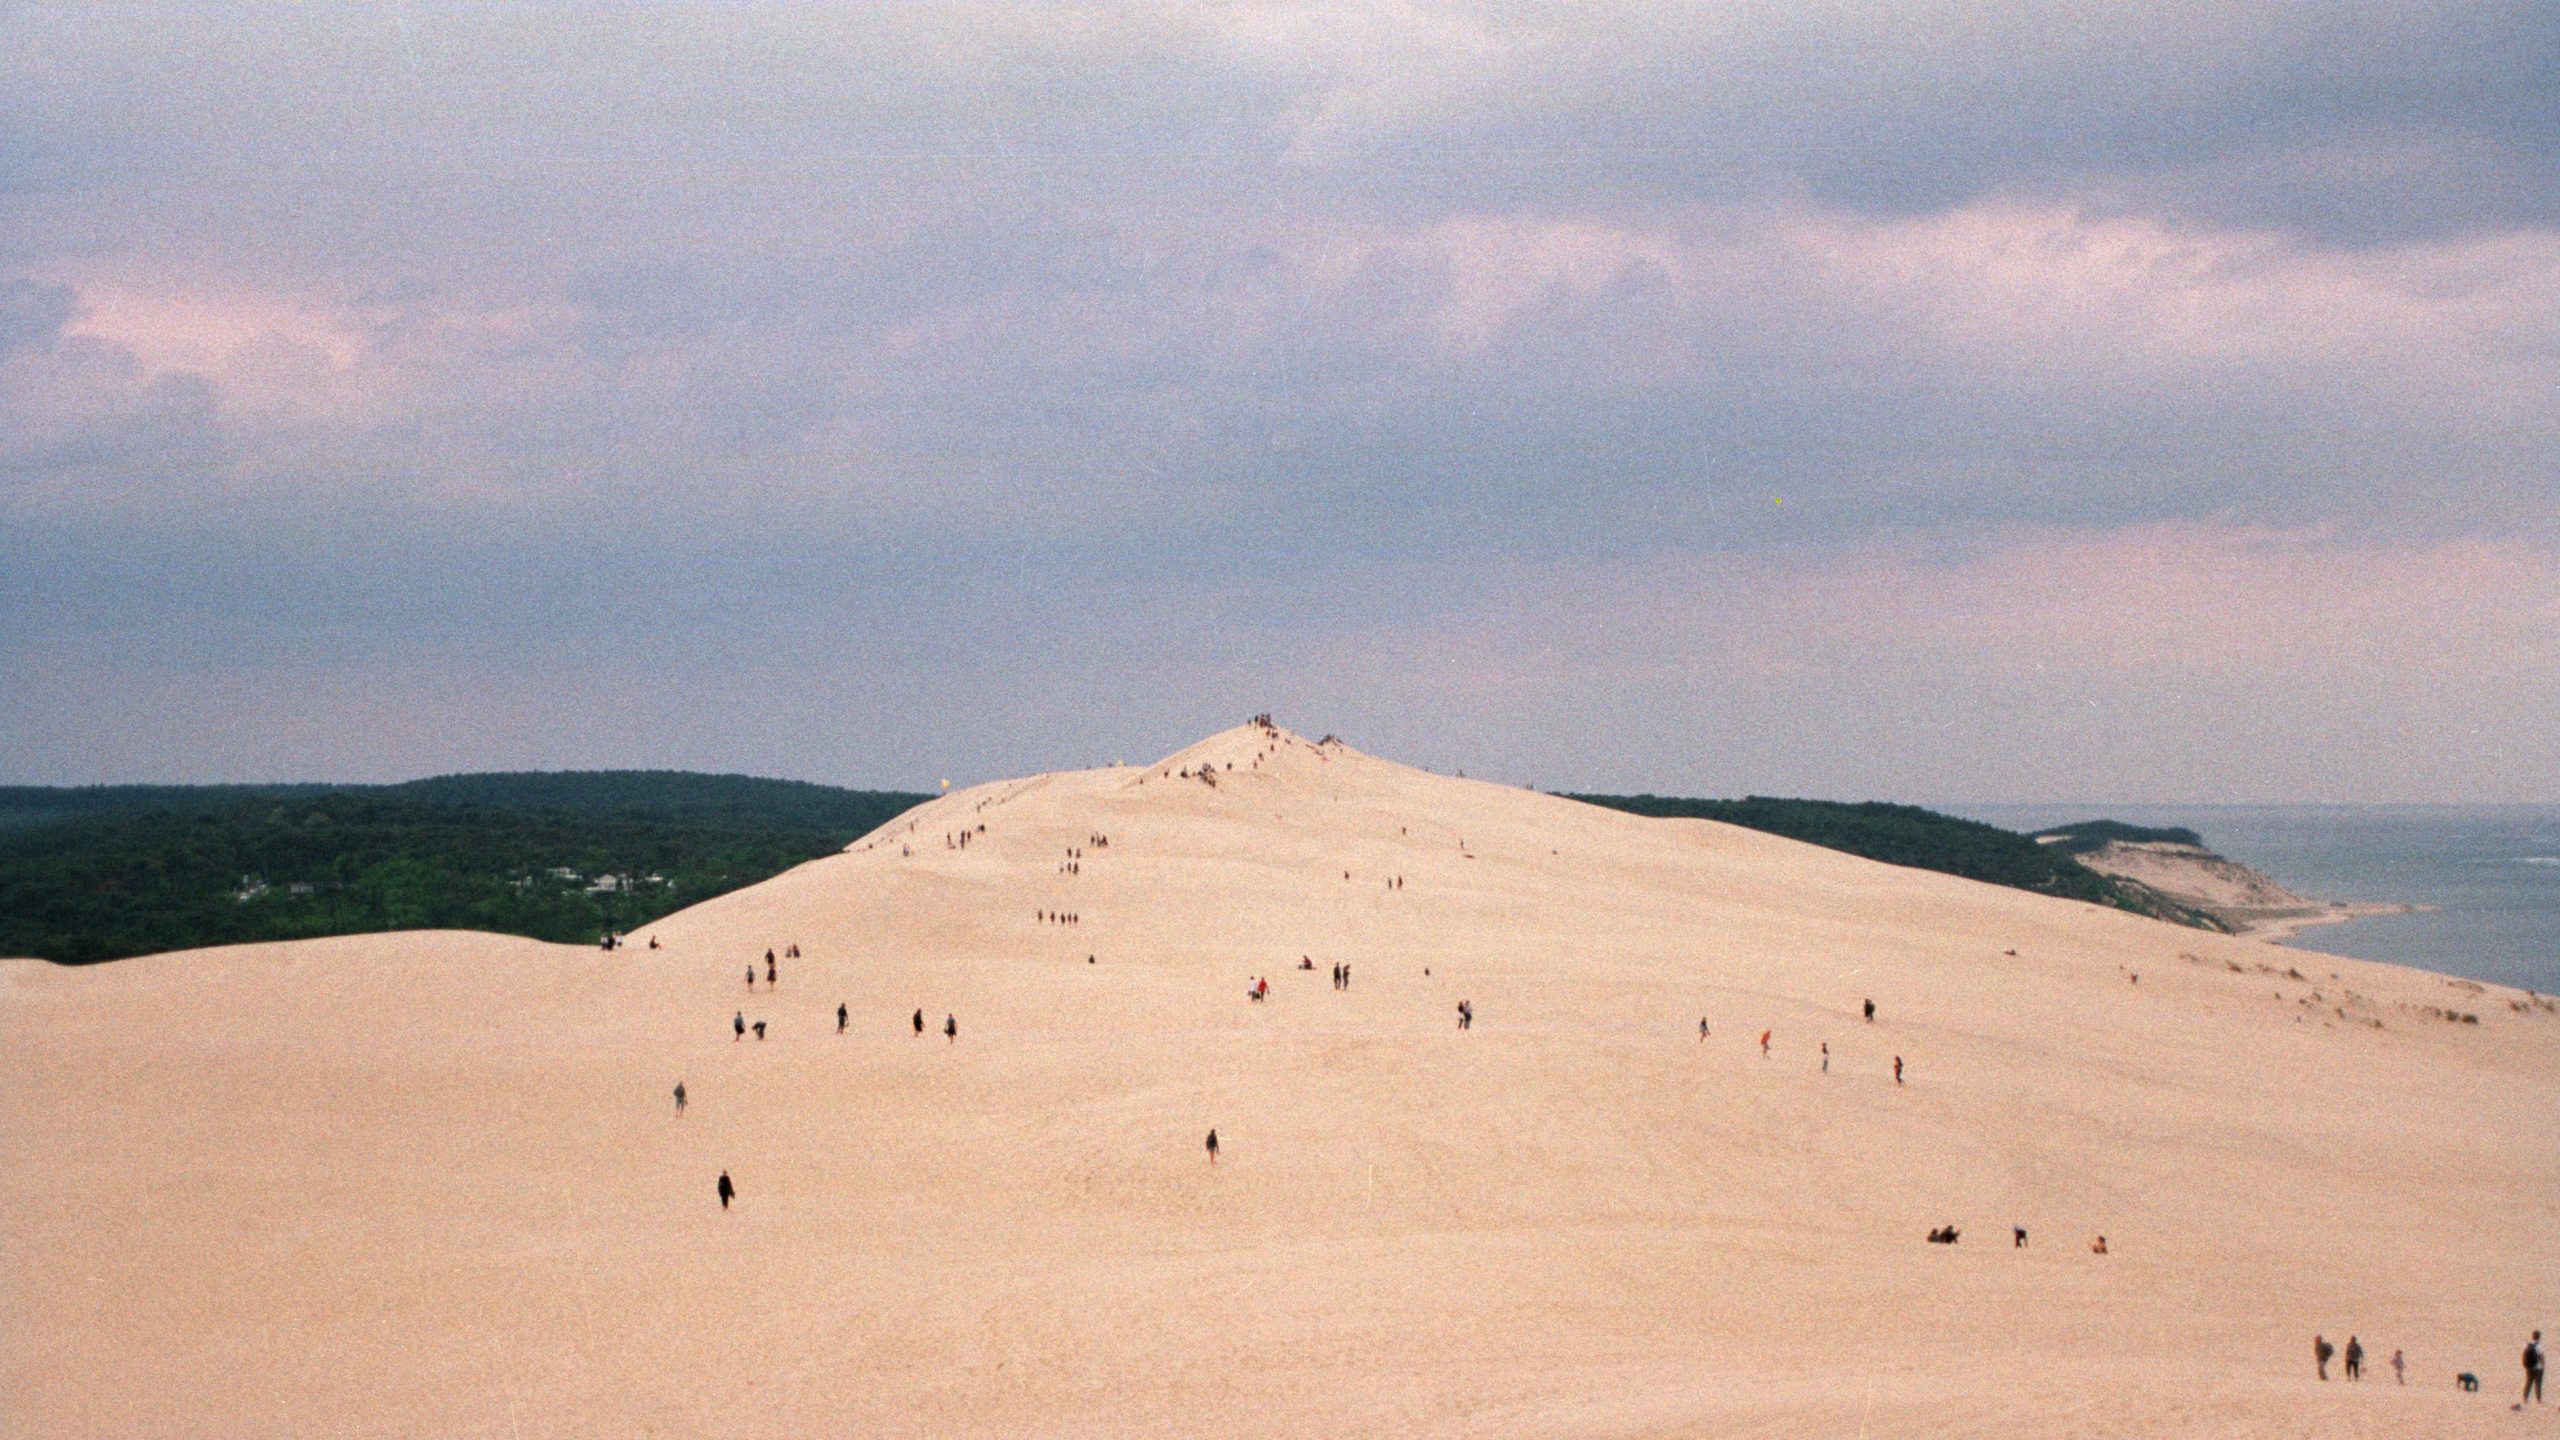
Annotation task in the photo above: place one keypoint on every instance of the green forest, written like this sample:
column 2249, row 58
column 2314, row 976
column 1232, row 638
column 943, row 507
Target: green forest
column 105, row 872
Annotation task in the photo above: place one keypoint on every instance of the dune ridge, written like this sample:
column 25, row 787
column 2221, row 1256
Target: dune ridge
column 434, row 1183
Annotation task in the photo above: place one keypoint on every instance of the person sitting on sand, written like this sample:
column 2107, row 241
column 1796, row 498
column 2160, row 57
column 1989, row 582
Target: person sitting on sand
column 759, row 1029
column 2099, row 1247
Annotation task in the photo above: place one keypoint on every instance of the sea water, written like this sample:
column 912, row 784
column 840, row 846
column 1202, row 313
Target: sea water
column 2491, row 872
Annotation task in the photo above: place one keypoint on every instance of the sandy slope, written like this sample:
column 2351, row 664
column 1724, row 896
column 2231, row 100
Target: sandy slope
column 431, row 1184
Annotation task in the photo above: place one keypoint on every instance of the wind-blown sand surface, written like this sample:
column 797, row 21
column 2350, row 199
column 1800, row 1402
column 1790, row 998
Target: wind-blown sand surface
column 433, row 1184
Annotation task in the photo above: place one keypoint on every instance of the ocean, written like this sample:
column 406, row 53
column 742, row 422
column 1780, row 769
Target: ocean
column 2491, row 871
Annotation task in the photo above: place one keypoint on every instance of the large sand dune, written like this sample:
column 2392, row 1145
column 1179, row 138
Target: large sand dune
column 433, row 1184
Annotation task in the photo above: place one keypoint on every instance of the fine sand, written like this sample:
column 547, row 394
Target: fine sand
column 434, row 1184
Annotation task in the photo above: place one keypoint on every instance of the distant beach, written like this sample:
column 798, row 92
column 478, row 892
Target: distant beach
column 2484, row 879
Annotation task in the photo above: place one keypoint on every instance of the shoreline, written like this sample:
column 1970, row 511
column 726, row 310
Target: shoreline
column 2277, row 928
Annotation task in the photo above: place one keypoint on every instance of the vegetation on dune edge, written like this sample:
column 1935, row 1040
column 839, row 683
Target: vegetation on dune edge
column 1927, row 840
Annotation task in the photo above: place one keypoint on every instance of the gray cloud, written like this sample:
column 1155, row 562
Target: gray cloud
column 1190, row 344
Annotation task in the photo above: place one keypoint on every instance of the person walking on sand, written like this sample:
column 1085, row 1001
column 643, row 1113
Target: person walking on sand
column 679, row 1097
column 1897, row 1069
column 2321, row 1350
column 951, row 1028
column 728, row 1192
column 1764, row 1044
column 2399, row 1367
column 751, row 978
column 1702, row 1027
column 1826, row 1057
column 768, row 969
column 1213, row 1145
column 842, row 1015
column 2532, row 1370
column 738, row 1024
column 919, row 1024
column 2355, row 1358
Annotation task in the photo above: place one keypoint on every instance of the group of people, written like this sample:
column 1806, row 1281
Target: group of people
column 1060, row 917
column 2322, row 1352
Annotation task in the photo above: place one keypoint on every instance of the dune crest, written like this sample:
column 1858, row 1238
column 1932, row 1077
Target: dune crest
column 391, row 1184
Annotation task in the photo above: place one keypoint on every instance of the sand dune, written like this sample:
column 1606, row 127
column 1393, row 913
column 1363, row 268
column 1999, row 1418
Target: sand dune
column 433, row 1184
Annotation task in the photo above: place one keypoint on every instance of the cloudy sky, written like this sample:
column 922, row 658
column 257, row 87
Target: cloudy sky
column 1924, row 401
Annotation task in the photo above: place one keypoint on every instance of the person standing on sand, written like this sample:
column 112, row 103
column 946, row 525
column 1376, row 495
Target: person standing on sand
column 738, row 1023
column 728, row 1192
column 2399, row 1367
column 1897, row 1069
column 919, row 1023
column 1871, row 1012
column 842, row 1015
column 951, row 1028
column 751, row 978
column 679, row 1097
column 1702, row 1027
column 768, row 969
column 1764, row 1044
column 2355, row 1358
column 1213, row 1145
column 1826, row 1057
column 2321, row 1350
column 2532, row 1370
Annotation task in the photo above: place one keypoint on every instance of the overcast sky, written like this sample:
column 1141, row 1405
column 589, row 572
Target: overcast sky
column 1918, row 401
